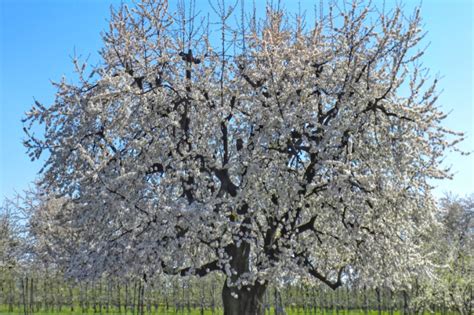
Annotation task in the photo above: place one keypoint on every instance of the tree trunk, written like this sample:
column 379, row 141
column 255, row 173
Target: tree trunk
column 246, row 301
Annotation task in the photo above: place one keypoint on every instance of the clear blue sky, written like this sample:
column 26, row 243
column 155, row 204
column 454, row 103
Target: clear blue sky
column 38, row 37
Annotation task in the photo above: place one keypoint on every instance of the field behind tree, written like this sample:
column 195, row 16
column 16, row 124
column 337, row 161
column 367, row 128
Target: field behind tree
column 51, row 294
column 171, row 311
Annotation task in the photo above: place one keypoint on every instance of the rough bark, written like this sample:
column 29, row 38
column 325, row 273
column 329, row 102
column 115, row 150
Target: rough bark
column 248, row 300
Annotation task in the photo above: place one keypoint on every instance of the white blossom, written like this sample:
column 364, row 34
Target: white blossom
column 298, row 156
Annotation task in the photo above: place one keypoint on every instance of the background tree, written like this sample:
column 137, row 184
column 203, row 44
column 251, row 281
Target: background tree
column 15, row 250
column 450, row 283
column 9, row 245
column 51, row 218
column 15, row 241
column 300, row 150
column 457, row 278
column 10, row 242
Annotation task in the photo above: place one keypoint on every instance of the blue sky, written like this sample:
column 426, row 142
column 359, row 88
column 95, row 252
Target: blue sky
column 38, row 38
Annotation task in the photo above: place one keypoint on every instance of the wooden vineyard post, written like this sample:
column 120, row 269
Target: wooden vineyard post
column 167, row 302
column 213, row 302
column 10, row 296
column 366, row 302
column 49, row 288
column 100, row 296
column 347, row 306
column 201, row 297
column 148, row 297
column 141, row 291
column 71, row 298
column 107, row 301
column 86, row 297
column 332, row 301
column 266, row 302
column 94, row 297
column 390, row 301
column 31, row 296
column 183, row 296
column 379, row 306
column 23, row 289
column 81, row 297
column 313, row 301
column 57, row 295
column 405, row 303
column 175, row 298
column 126, row 297
column 135, row 297
column 120, row 302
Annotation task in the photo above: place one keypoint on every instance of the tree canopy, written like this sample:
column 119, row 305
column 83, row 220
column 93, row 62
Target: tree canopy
column 283, row 149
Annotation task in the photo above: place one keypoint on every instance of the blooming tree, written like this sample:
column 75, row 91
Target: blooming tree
column 9, row 240
column 15, row 249
column 456, row 280
column 287, row 150
column 451, row 246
